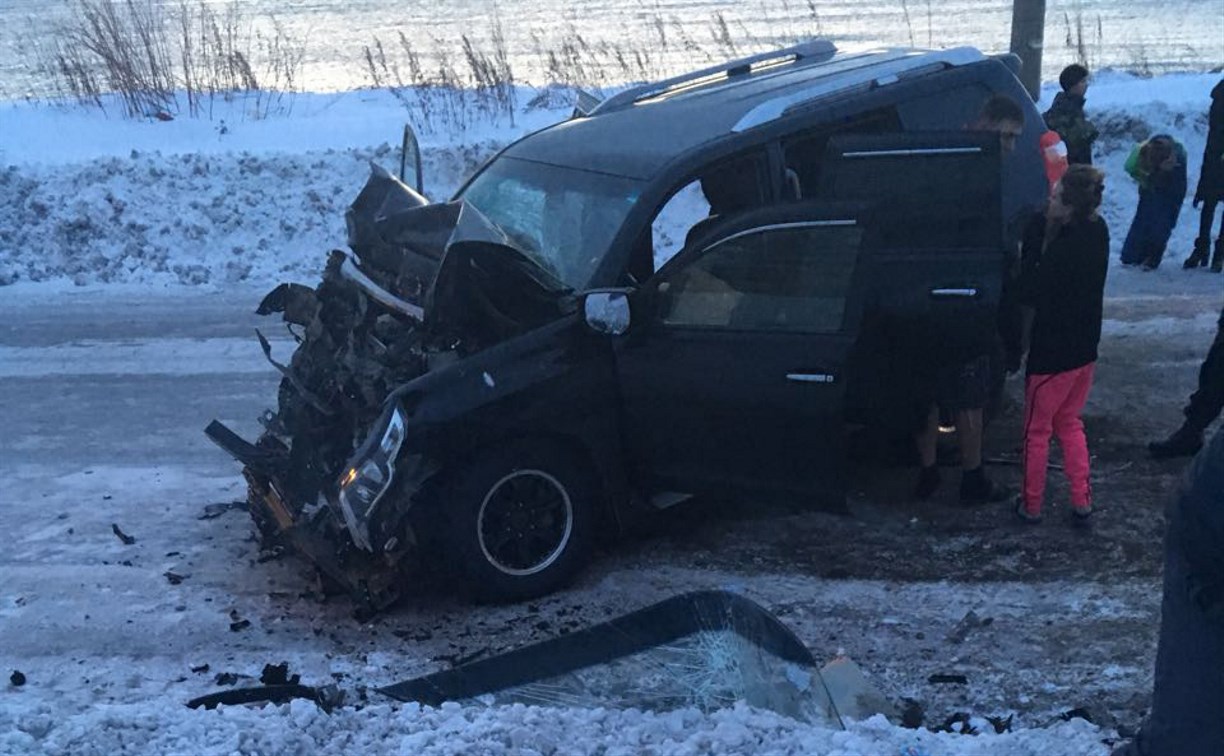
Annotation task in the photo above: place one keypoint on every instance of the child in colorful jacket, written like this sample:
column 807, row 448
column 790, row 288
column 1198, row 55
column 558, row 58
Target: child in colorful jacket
column 1158, row 165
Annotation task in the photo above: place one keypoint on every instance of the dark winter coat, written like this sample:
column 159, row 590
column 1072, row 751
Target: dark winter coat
column 1161, row 194
column 1064, row 282
column 1211, row 177
column 1188, row 698
column 1066, row 116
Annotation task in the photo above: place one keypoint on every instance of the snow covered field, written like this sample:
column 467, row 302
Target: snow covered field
column 86, row 199
column 133, row 254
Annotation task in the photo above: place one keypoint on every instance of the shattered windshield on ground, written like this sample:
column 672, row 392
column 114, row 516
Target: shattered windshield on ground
column 706, row 650
column 563, row 218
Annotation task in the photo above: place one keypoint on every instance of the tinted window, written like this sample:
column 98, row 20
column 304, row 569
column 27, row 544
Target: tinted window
column 805, row 154
column 931, row 190
column 955, row 108
column 562, row 218
column 789, row 277
column 945, row 110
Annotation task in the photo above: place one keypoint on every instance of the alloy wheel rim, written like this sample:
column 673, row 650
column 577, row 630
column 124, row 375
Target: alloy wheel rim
column 525, row 522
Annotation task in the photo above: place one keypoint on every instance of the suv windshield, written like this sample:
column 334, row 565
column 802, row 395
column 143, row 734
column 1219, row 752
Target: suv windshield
column 563, row 218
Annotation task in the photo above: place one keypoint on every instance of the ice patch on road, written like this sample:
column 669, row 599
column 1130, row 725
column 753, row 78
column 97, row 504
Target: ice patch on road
column 1204, row 323
column 140, row 357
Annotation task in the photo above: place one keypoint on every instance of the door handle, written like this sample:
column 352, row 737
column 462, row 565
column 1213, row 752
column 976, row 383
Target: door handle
column 811, row 377
column 955, row 292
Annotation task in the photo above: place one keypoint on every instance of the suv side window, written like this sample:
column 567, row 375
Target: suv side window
column 727, row 187
column 949, row 109
column 804, row 154
column 792, row 277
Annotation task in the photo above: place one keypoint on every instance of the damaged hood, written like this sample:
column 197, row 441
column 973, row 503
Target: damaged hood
column 421, row 258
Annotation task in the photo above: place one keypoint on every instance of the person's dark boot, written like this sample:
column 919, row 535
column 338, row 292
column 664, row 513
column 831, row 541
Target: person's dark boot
column 976, row 488
column 1217, row 258
column 1197, row 258
column 928, row 483
column 1183, row 442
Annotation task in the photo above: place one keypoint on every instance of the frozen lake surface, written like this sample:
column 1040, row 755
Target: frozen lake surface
column 1146, row 35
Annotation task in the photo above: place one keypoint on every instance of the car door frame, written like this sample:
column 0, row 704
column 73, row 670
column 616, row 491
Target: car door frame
column 826, row 476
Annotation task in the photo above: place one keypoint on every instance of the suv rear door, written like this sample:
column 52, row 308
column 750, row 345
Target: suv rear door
column 732, row 376
column 937, row 273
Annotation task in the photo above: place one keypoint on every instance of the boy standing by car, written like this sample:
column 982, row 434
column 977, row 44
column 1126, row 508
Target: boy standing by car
column 1066, row 115
column 962, row 385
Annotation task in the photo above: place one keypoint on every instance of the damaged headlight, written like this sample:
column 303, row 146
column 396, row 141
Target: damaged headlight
column 368, row 477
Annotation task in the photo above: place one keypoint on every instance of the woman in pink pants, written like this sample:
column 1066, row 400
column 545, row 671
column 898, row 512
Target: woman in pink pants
column 1065, row 257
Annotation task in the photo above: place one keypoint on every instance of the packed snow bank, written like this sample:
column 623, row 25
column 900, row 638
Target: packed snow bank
column 89, row 199
column 300, row 727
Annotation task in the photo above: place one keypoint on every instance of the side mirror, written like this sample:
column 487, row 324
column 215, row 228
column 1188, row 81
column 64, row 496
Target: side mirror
column 607, row 312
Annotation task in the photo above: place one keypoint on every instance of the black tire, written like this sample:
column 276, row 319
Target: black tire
column 520, row 521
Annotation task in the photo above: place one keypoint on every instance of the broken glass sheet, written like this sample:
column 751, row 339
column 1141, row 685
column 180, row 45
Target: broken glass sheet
column 707, row 650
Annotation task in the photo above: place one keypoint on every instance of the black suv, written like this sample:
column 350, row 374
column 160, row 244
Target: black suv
column 690, row 287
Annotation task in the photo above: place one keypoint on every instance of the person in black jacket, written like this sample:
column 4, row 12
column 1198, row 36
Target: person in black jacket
column 1187, row 713
column 1065, row 258
column 1203, row 408
column 1066, row 115
column 1210, row 190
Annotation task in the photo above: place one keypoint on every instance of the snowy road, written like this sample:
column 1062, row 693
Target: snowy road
column 102, row 401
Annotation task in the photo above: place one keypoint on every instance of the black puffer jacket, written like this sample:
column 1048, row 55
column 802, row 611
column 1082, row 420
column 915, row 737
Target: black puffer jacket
column 1211, row 178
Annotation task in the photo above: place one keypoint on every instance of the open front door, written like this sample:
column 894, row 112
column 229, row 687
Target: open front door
column 733, row 374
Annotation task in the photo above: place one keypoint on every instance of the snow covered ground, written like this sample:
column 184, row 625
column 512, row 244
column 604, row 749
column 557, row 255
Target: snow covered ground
column 134, row 253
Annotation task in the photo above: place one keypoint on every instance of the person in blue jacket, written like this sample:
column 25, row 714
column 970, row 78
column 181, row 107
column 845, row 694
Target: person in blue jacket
column 1158, row 165
column 1187, row 714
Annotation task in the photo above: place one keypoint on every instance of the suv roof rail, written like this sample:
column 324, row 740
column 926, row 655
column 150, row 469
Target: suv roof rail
column 813, row 50
column 879, row 68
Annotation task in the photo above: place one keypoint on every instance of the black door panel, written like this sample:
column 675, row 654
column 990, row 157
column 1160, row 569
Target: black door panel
column 937, row 273
column 734, row 380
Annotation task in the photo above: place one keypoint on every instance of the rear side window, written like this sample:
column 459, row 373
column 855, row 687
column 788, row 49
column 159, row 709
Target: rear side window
column 805, row 154
column 792, row 277
column 931, row 191
column 946, row 110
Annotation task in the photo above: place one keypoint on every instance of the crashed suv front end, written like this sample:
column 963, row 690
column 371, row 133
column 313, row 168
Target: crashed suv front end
column 423, row 286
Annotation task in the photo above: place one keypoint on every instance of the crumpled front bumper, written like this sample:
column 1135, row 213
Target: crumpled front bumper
column 313, row 529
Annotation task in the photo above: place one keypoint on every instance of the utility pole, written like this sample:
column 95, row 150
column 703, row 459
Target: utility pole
column 1027, row 41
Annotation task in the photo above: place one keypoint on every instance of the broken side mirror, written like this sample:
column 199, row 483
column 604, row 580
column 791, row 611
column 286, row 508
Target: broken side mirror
column 410, row 150
column 607, row 311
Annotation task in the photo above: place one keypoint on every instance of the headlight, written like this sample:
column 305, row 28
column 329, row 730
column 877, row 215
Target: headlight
column 368, row 477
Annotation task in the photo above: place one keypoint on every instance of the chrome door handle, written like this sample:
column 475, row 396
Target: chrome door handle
column 810, row 377
column 965, row 292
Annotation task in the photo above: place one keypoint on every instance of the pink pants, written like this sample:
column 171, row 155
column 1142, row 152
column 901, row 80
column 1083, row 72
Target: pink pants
column 1052, row 405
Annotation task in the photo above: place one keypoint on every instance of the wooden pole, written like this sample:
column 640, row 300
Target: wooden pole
column 1027, row 41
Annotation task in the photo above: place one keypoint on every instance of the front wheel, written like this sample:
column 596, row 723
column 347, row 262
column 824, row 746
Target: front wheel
column 521, row 521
